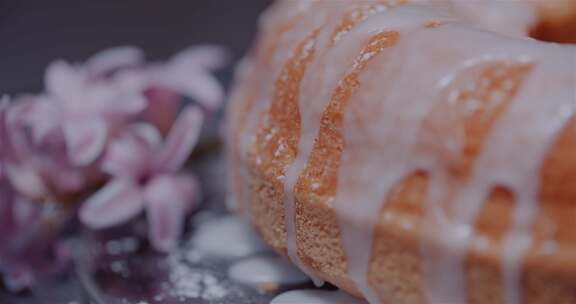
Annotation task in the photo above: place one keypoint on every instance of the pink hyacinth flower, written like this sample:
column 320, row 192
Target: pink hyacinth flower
column 144, row 171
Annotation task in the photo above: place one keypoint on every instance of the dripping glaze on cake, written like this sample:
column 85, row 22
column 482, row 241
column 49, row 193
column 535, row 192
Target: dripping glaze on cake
column 412, row 151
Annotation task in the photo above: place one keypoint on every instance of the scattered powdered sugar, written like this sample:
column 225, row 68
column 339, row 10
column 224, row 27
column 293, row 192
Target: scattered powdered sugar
column 122, row 246
column 186, row 282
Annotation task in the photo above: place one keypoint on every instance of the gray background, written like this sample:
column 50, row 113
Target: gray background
column 34, row 32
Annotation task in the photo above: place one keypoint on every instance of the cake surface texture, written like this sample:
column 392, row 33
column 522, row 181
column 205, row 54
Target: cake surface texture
column 413, row 151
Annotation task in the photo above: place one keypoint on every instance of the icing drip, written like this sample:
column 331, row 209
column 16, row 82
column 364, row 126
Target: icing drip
column 542, row 122
column 281, row 27
column 377, row 147
column 474, row 97
column 319, row 174
column 316, row 88
column 358, row 264
column 498, row 164
column 306, row 51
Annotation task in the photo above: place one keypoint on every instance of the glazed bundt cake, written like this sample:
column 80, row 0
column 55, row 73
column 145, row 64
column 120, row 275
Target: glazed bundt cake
column 414, row 151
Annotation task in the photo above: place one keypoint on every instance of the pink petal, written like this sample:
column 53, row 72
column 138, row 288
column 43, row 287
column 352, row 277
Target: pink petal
column 24, row 211
column 130, row 153
column 61, row 177
column 201, row 87
column 119, row 201
column 45, row 119
column 109, row 98
column 113, row 59
column 26, row 180
column 65, row 82
column 132, row 80
column 167, row 199
column 16, row 126
column 189, row 74
column 147, row 133
column 181, row 140
column 202, row 57
column 85, row 139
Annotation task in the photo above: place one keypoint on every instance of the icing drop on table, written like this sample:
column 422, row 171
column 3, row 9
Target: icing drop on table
column 312, row 296
column 257, row 271
column 228, row 236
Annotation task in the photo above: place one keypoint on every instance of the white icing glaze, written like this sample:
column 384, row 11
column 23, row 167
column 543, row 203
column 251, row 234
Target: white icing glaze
column 501, row 164
column 256, row 271
column 311, row 296
column 228, row 236
column 399, row 90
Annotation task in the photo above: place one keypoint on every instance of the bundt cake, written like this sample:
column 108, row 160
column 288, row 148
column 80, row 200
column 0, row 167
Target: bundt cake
column 413, row 151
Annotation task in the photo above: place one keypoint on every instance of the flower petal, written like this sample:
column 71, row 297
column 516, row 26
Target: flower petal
column 43, row 129
column 61, row 177
column 181, row 140
column 26, row 180
column 24, row 211
column 167, row 199
column 112, row 99
column 44, row 119
column 130, row 153
column 119, row 201
column 201, row 87
column 65, row 82
column 85, row 139
column 188, row 73
column 201, row 57
column 112, row 59
column 147, row 133
column 132, row 80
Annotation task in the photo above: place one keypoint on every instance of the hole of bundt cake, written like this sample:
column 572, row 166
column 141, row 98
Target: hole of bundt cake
column 557, row 32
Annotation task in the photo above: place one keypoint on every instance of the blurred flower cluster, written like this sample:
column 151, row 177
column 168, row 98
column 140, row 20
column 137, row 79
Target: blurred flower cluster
column 108, row 138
